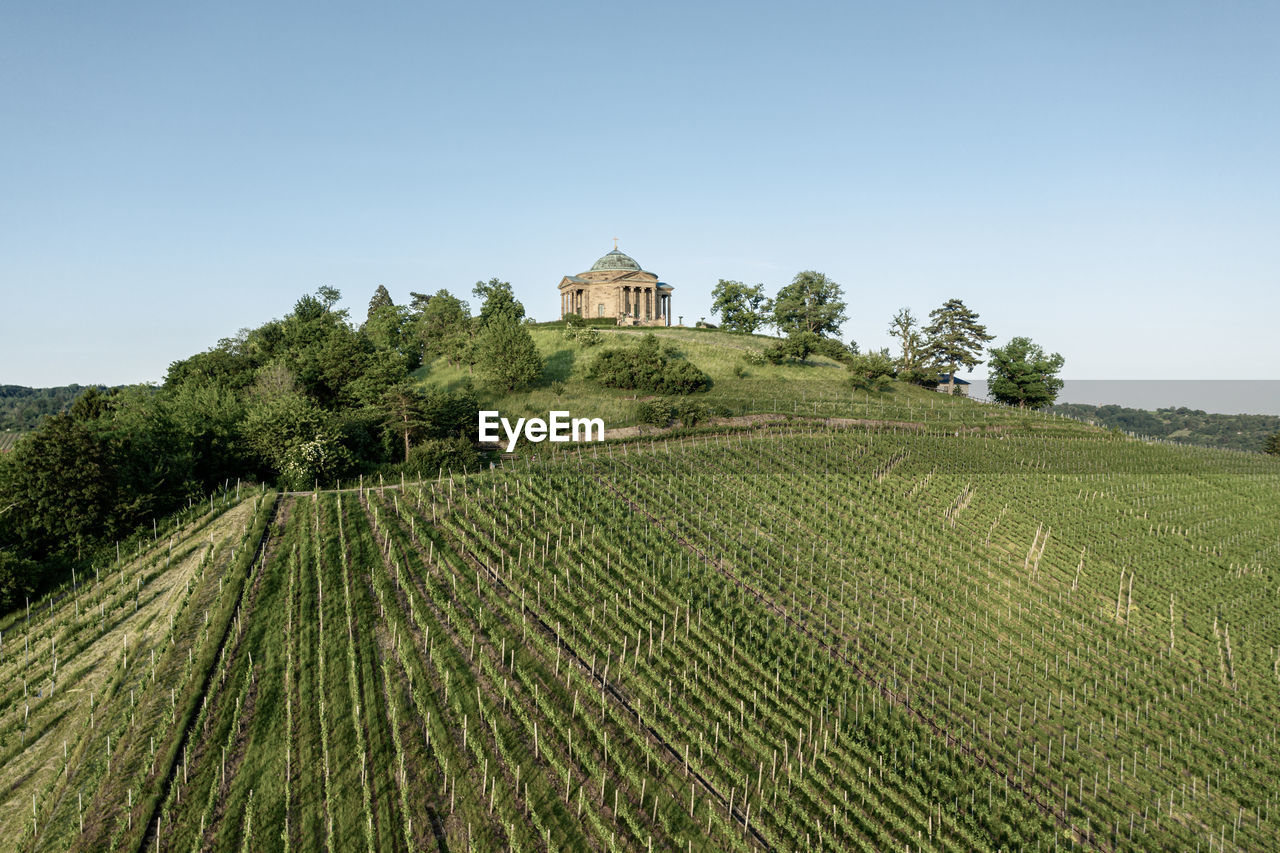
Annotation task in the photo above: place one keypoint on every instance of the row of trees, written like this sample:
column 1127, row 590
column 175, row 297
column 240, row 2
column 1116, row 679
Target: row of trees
column 1021, row 373
column 812, row 302
column 810, row 309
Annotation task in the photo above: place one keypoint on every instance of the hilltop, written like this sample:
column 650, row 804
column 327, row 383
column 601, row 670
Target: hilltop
column 312, row 399
column 818, row 388
column 818, row 617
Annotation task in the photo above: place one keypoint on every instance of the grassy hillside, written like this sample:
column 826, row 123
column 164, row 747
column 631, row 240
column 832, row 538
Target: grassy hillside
column 791, row 638
column 820, row 388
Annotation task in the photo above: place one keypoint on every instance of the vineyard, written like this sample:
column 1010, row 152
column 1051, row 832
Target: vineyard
column 793, row 638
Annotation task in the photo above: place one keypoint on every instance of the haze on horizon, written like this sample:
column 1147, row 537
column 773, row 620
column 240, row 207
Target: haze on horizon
column 1099, row 177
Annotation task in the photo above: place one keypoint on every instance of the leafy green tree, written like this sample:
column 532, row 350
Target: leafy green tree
column 912, row 364
column 1272, row 444
column 275, row 427
column 271, row 380
column 19, row 577
column 209, row 418
column 322, row 349
column 405, row 413
column 113, row 461
column 328, row 296
column 381, row 299
column 810, row 303
column 391, row 327
column 955, row 338
column 315, row 460
column 444, row 327
column 382, row 371
column 1022, row 375
column 450, row 414
column 506, row 353
column 741, row 308
column 150, row 457
column 58, row 488
column 496, row 299
column 227, row 364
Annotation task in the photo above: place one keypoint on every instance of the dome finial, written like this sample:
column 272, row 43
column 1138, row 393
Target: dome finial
column 615, row 244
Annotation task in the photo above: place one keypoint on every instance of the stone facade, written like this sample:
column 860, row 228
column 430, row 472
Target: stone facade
column 617, row 287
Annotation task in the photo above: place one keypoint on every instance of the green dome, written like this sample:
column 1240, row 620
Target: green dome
column 615, row 260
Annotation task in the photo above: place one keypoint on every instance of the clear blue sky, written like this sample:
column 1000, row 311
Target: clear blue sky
column 1099, row 176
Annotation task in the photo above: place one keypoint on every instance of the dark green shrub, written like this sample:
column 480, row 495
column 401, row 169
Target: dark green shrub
column 690, row 412
column 654, row 413
column 871, row 370
column 796, row 346
column 833, row 349
column 647, row 368
column 450, row 454
column 681, row 377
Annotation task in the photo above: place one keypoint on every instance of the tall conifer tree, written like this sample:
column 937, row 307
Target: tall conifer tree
column 955, row 338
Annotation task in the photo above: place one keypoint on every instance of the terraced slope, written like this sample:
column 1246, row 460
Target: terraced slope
column 792, row 639
column 99, row 678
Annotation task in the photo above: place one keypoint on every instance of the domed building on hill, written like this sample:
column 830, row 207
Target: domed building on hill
column 617, row 287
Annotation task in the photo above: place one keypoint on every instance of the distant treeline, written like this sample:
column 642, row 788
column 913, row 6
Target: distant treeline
column 1183, row 425
column 22, row 408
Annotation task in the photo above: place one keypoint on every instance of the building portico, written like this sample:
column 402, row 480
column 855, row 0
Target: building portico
column 617, row 287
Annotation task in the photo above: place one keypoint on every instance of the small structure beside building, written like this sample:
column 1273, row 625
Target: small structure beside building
column 961, row 386
column 617, row 287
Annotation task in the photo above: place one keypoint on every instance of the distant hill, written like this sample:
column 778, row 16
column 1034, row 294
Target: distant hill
column 21, row 408
column 1183, row 425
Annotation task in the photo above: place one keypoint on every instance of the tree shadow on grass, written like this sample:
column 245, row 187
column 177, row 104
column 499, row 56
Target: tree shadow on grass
column 558, row 366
